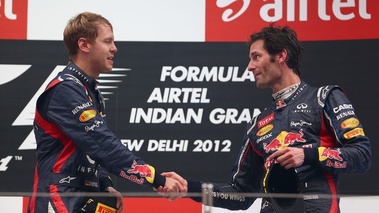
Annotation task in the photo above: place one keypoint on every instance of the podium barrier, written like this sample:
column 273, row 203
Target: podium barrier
column 153, row 202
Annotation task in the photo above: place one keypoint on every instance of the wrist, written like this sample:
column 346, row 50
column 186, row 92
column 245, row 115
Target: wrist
column 110, row 189
column 310, row 156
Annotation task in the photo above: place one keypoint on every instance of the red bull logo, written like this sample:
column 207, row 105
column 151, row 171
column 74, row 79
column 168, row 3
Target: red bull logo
column 274, row 145
column 327, row 153
column 283, row 140
column 142, row 170
column 291, row 138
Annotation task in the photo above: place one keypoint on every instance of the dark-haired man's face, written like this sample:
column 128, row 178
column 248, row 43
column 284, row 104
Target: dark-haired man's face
column 265, row 67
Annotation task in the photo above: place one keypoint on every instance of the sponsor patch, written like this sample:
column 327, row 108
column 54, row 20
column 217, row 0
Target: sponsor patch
column 266, row 120
column 342, row 107
column 354, row 133
column 265, row 130
column 336, row 164
column 327, row 153
column 283, row 140
column 145, row 171
column 350, row 123
column 92, row 184
column 87, row 115
column 102, row 208
column 132, row 178
column 81, row 107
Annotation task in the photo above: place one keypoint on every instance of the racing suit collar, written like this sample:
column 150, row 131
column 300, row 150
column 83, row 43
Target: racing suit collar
column 286, row 92
column 281, row 103
column 82, row 76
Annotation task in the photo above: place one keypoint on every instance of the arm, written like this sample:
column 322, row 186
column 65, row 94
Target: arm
column 352, row 153
column 93, row 137
column 246, row 178
column 344, row 148
column 106, row 185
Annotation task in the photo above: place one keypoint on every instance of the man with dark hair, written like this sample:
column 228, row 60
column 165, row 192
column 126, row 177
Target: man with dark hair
column 301, row 143
column 75, row 147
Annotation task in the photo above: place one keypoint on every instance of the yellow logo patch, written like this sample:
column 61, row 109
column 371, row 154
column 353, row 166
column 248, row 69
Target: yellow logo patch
column 150, row 178
column 354, row 133
column 87, row 115
column 265, row 130
column 102, row 208
column 350, row 123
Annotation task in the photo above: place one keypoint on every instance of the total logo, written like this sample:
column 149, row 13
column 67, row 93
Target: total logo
column 108, row 84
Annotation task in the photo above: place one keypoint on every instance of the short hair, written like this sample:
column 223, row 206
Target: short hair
column 83, row 25
column 277, row 38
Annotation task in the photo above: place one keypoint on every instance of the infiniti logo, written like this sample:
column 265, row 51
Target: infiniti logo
column 302, row 106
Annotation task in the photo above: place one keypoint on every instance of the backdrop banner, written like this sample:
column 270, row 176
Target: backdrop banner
column 181, row 106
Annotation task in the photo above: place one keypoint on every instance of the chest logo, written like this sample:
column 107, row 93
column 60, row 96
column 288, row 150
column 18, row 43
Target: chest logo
column 264, row 130
column 266, row 120
column 283, row 140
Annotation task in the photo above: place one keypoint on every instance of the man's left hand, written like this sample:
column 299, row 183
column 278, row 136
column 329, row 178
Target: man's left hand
column 288, row 157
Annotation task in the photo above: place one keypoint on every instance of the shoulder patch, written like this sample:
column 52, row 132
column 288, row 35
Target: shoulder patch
column 323, row 93
column 87, row 115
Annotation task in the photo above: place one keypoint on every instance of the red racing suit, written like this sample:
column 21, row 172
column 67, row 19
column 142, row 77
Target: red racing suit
column 323, row 122
column 75, row 148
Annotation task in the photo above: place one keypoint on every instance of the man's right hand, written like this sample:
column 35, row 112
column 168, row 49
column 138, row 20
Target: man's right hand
column 175, row 186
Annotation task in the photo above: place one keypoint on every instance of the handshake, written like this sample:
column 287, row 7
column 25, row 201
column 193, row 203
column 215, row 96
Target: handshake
column 175, row 186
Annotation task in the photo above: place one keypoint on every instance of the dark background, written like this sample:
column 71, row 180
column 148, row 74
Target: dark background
column 350, row 64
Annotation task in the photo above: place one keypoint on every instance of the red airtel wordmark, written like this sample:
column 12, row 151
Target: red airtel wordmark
column 13, row 19
column 235, row 20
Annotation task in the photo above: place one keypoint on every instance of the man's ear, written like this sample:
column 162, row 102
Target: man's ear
column 282, row 56
column 83, row 45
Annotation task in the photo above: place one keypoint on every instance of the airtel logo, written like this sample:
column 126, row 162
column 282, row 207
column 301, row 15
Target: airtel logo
column 272, row 12
column 13, row 18
column 8, row 9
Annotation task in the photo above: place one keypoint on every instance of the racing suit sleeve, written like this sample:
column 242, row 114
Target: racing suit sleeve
column 246, row 178
column 346, row 149
column 87, row 128
column 105, row 179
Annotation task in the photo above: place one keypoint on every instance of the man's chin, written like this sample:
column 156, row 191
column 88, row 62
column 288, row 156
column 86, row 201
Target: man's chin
column 108, row 70
column 260, row 85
